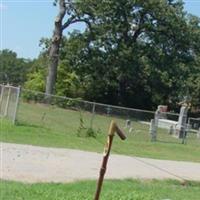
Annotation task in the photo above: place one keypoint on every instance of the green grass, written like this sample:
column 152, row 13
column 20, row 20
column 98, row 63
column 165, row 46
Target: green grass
column 51, row 126
column 112, row 190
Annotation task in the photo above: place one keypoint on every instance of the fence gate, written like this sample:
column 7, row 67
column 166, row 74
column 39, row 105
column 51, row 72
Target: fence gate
column 9, row 99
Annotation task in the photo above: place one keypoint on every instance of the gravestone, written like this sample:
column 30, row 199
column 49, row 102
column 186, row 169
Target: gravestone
column 159, row 114
column 182, row 122
column 153, row 130
column 162, row 111
column 108, row 109
column 128, row 125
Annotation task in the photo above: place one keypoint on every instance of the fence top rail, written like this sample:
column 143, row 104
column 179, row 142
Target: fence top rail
column 90, row 102
column 95, row 103
column 8, row 86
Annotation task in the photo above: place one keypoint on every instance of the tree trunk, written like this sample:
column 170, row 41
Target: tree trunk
column 54, row 49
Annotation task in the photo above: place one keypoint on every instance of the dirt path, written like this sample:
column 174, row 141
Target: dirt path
column 38, row 164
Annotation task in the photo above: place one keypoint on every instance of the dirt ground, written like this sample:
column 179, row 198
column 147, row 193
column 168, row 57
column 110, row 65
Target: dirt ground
column 33, row 164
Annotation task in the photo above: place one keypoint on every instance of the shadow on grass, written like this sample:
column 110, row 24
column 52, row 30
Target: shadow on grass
column 29, row 125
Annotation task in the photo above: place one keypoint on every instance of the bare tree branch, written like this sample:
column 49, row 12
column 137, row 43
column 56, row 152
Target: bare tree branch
column 140, row 27
column 73, row 21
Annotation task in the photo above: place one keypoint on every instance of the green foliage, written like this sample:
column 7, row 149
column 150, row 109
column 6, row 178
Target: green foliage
column 135, row 53
column 36, row 77
column 69, row 83
column 86, row 131
column 13, row 70
column 36, row 81
column 32, row 96
column 132, row 53
column 81, row 125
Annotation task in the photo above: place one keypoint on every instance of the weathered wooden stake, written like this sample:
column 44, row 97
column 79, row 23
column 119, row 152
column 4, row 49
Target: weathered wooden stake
column 112, row 130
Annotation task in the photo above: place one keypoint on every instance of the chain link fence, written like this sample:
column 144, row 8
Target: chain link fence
column 194, row 124
column 75, row 116
column 37, row 108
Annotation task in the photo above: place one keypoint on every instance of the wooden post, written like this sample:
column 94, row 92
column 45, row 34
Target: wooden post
column 112, row 130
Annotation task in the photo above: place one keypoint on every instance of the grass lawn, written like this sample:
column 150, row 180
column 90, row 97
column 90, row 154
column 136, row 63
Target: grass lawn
column 51, row 126
column 112, row 190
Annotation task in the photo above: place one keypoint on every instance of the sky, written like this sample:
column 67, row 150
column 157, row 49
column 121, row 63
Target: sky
column 24, row 22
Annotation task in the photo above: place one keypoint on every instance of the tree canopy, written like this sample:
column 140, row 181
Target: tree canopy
column 132, row 52
column 13, row 70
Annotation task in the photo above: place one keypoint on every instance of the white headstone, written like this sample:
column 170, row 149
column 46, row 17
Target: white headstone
column 182, row 121
column 128, row 123
column 152, row 130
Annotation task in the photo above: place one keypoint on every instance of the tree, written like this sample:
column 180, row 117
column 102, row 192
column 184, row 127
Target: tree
column 139, row 53
column 13, row 70
column 36, row 76
column 192, row 82
column 133, row 53
column 66, row 7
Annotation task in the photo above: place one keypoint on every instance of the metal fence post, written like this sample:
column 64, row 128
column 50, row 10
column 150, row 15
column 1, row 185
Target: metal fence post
column 93, row 115
column 1, row 97
column 7, row 102
column 152, row 130
column 16, row 105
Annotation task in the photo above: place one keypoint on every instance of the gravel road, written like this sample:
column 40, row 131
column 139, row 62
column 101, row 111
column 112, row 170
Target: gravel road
column 33, row 164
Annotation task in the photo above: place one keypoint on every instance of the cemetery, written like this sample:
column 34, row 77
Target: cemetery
column 100, row 100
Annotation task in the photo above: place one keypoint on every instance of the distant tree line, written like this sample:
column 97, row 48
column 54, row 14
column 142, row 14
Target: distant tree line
column 132, row 53
column 13, row 70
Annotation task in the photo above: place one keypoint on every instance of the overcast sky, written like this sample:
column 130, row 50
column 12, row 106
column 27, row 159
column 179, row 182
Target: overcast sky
column 24, row 22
